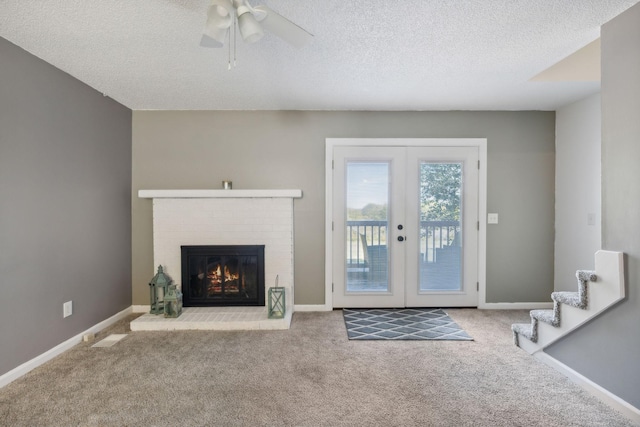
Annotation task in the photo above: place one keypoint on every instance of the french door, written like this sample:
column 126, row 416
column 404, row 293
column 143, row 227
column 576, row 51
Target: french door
column 405, row 226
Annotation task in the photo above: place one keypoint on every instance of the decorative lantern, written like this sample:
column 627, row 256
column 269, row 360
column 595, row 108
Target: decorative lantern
column 157, row 290
column 276, row 307
column 173, row 302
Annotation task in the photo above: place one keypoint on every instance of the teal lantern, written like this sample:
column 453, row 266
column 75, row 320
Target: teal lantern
column 158, row 288
column 276, row 307
column 173, row 302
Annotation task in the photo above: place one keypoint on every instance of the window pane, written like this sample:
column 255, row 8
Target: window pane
column 367, row 224
column 440, row 226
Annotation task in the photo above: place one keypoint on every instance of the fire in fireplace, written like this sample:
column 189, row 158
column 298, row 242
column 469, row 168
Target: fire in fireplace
column 223, row 275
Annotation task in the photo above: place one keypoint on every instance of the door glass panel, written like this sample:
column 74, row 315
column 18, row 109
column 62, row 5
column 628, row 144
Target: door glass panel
column 440, row 226
column 367, row 201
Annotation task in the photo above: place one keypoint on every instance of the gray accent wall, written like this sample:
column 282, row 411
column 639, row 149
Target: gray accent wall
column 65, row 206
column 286, row 149
column 606, row 349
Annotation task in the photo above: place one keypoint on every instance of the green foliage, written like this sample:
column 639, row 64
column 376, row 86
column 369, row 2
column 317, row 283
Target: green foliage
column 440, row 185
column 373, row 211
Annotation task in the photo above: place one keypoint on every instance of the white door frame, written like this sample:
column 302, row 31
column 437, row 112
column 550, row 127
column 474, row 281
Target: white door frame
column 481, row 143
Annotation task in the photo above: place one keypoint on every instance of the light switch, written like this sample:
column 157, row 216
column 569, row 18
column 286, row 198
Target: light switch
column 67, row 309
column 492, row 218
column 591, row 219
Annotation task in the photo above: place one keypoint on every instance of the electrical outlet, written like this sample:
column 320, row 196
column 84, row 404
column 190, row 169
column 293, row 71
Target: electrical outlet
column 492, row 218
column 67, row 309
column 591, row 219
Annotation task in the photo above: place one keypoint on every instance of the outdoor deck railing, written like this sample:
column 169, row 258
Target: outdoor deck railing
column 433, row 235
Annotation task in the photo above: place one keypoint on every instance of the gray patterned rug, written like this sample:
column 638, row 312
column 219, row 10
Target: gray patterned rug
column 402, row 324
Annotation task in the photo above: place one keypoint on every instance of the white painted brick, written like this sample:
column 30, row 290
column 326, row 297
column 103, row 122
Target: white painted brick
column 226, row 221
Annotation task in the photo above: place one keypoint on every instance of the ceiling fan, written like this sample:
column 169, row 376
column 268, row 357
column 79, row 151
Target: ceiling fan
column 224, row 15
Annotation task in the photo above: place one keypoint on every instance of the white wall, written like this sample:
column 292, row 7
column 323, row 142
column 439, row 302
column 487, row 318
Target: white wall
column 578, row 141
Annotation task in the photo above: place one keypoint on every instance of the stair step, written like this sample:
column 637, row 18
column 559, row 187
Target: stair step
column 552, row 317
column 546, row 316
column 537, row 340
column 527, row 330
column 570, row 298
column 523, row 329
column 586, row 275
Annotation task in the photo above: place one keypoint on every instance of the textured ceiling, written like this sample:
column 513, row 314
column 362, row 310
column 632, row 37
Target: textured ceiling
column 366, row 55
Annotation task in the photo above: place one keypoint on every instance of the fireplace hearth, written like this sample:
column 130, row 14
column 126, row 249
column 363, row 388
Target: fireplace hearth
column 231, row 275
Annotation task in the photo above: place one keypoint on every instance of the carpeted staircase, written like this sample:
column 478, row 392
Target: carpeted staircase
column 597, row 291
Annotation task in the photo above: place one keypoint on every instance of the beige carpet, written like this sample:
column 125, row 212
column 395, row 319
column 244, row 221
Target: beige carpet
column 310, row 375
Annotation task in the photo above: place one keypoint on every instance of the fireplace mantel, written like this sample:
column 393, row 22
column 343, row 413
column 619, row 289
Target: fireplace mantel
column 215, row 194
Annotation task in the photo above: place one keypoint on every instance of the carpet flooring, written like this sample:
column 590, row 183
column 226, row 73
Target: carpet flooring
column 402, row 324
column 309, row 375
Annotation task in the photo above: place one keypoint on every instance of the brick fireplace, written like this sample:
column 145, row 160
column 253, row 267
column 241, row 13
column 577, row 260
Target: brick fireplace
column 224, row 217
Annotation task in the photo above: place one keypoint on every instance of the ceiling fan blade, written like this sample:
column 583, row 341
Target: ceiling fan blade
column 283, row 28
column 207, row 41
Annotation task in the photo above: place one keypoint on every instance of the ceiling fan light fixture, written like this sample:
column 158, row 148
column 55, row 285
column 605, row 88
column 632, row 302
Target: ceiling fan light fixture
column 222, row 7
column 226, row 17
column 219, row 19
column 250, row 29
column 218, row 16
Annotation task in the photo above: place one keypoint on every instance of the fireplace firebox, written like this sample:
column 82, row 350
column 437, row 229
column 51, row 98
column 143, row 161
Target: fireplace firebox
column 223, row 275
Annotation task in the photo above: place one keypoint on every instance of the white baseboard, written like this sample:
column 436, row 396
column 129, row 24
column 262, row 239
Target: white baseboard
column 311, row 307
column 591, row 387
column 140, row 308
column 485, row 306
column 26, row 367
column 516, row 306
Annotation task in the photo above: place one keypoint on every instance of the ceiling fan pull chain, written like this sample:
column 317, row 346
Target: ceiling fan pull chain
column 235, row 37
column 229, row 56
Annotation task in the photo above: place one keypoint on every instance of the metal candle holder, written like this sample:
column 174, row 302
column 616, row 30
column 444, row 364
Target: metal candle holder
column 276, row 306
column 173, row 302
column 157, row 290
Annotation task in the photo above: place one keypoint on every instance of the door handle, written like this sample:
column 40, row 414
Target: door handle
column 401, row 239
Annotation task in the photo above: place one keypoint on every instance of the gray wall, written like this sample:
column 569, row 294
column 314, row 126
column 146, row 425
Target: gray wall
column 606, row 350
column 65, row 206
column 286, row 149
column 578, row 176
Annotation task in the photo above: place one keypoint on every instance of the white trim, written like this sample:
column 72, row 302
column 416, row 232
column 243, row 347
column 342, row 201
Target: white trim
column 481, row 143
column 311, row 307
column 591, row 387
column 26, row 367
column 140, row 308
column 406, row 142
column 516, row 306
column 215, row 194
column 482, row 215
column 328, row 226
